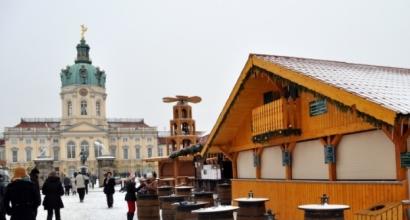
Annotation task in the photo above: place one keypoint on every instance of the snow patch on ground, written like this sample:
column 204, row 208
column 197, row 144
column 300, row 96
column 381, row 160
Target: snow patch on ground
column 94, row 207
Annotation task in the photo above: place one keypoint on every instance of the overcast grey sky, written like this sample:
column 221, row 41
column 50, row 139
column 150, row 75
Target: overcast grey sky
column 151, row 49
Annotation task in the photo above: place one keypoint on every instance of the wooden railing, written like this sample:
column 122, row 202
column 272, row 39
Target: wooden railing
column 277, row 115
column 268, row 117
column 382, row 211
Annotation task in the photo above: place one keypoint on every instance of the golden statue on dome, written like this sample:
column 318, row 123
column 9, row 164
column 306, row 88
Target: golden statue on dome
column 83, row 30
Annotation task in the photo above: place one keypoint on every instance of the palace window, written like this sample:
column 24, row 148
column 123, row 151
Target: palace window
column 137, row 139
column 160, row 152
column 112, row 150
column 149, row 151
column 28, row 140
column 137, row 152
column 14, row 155
column 113, row 139
column 69, row 108
column 28, row 154
column 124, row 139
column 42, row 141
column 2, row 154
column 84, row 147
column 149, row 139
column 98, row 108
column 125, row 152
column 98, row 149
column 55, row 140
column 56, row 152
column 14, row 141
column 71, row 150
column 83, row 107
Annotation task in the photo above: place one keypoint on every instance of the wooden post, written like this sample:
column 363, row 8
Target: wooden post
column 399, row 140
column 259, row 152
column 235, row 165
column 334, row 142
column 290, row 147
column 176, row 174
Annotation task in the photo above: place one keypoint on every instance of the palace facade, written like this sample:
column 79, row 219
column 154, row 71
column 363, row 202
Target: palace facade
column 83, row 126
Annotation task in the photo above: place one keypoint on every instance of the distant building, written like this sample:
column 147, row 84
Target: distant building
column 83, row 126
column 2, row 150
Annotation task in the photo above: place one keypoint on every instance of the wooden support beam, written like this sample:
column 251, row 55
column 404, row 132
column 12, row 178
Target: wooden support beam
column 336, row 139
column 290, row 147
column 225, row 152
column 235, row 165
column 333, row 140
column 399, row 140
column 388, row 133
column 259, row 152
column 176, row 173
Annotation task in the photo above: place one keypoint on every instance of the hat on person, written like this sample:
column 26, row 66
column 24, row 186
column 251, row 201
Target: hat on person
column 19, row 173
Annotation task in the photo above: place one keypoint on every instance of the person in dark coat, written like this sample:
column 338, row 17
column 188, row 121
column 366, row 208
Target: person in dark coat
column 67, row 185
column 22, row 198
column 52, row 191
column 109, row 190
column 4, row 180
column 34, row 179
column 130, row 197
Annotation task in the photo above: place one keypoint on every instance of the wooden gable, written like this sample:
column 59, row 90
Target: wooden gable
column 234, row 123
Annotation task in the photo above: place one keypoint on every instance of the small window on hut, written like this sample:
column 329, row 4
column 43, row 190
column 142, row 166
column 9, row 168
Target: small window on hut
column 317, row 107
column 270, row 96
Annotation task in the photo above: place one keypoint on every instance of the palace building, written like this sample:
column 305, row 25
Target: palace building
column 83, row 126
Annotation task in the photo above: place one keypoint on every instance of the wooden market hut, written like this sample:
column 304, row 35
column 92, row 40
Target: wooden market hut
column 296, row 128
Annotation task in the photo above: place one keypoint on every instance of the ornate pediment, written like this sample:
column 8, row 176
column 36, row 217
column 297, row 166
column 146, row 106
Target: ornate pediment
column 84, row 127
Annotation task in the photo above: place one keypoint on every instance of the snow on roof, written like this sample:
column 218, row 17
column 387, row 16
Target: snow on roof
column 386, row 86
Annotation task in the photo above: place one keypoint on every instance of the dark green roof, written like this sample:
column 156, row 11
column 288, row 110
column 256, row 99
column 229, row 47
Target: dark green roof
column 82, row 72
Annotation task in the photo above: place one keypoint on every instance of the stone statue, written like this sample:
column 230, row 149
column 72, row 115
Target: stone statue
column 83, row 30
column 43, row 151
column 83, row 156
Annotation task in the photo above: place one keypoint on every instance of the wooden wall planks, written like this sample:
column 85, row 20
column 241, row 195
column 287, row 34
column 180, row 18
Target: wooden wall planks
column 285, row 196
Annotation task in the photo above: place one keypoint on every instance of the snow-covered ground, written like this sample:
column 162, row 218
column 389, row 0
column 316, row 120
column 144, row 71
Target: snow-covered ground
column 94, row 207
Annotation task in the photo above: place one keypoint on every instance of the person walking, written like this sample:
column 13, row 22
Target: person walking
column 67, row 185
column 22, row 198
column 130, row 197
column 53, row 190
column 73, row 185
column 86, row 182
column 80, row 184
column 92, row 180
column 109, row 184
column 34, row 179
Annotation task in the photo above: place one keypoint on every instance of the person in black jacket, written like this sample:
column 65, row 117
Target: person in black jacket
column 34, row 179
column 67, row 185
column 53, row 190
column 109, row 190
column 130, row 197
column 4, row 180
column 22, row 198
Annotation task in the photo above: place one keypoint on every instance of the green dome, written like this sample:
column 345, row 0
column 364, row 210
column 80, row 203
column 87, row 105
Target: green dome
column 82, row 72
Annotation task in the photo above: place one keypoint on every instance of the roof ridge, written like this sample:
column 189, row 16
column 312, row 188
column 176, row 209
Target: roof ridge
column 332, row 61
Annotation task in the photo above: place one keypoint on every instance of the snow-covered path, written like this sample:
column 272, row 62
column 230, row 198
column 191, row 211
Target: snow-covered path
column 94, row 207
